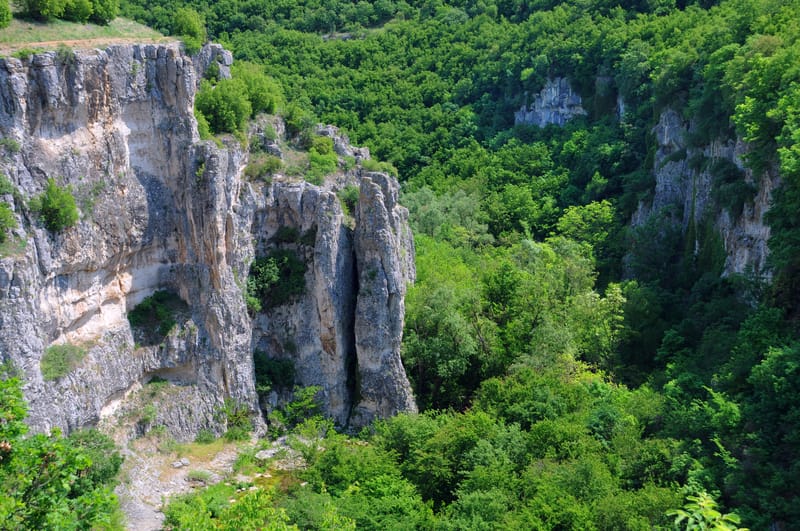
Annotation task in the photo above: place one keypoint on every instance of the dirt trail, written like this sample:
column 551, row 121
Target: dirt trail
column 149, row 479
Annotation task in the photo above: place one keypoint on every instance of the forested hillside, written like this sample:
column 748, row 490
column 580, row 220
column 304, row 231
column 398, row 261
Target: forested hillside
column 574, row 371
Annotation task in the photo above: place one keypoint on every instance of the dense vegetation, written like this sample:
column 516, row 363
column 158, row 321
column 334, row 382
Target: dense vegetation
column 610, row 366
column 574, row 372
column 97, row 11
column 52, row 482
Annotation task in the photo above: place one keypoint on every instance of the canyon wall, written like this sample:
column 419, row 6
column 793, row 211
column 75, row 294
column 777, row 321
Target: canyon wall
column 163, row 212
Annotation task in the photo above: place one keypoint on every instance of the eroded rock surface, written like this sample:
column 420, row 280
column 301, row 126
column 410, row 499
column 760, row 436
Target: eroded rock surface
column 162, row 211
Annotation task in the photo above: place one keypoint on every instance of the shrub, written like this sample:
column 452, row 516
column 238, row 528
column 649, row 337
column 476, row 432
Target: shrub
column 11, row 145
column 304, row 405
column 374, row 165
column 190, row 26
column 236, row 416
column 5, row 14
column 59, row 360
column 265, row 93
column 225, row 106
column 155, row 316
column 322, row 144
column 78, row 10
column 320, row 165
column 22, row 54
column 65, row 55
column 42, row 9
column 6, row 187
column 205, row 436
column 348, row 196
column 277, row 278
column 261, row 166
column 272, row 373
column 56, row 206
column 104, row 11
column 297, row 119
column 7, row 221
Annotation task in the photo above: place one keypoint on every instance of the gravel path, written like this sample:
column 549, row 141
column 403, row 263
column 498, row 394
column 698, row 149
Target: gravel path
column 150, row 477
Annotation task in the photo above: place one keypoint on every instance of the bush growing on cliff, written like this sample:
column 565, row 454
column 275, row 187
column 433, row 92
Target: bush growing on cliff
column 56, row 206
column 275, row 279
column 59, row 360
column 190, row 26
column 263, row 92
column 7, row 221
column 225, row 106
column 155, row 316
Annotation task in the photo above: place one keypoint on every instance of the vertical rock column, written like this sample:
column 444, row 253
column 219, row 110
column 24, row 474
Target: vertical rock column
column 385, row 256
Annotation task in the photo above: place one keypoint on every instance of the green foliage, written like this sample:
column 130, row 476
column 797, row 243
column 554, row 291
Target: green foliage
column 78, row 10
column 49, row 482
column 8, row 221
column 104, row 11
column 264, row 93
column 380, row 166
column 11, row 145
column 190, row 26
column 274, row 280
column 5, row 15
column 211, row 509
column 262, row 166
column 304, row 405
column 225, row 106
column 348, row 197
column 156, row 316
column 205, row 436
column 700, row 512
column 59, row 360
column 320, row 165
column 236, row 416
column 56, row 206
column 272, row 373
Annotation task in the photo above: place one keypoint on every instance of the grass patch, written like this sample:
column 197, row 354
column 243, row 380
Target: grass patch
column 27, row 34
column 262, row 166
column 13, row 247
column 60, row 360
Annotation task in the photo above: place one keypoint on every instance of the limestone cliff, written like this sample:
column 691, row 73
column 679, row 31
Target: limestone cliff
column 556, row 103
column 162, row 211
column 691, row 181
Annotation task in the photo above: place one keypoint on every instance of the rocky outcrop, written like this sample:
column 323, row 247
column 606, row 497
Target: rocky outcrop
column 162, row 211
column 688, row 184
column 382, row 242
column 556, row 104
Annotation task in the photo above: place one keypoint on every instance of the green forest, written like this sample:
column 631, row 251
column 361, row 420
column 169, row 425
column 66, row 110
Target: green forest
column 572, row 371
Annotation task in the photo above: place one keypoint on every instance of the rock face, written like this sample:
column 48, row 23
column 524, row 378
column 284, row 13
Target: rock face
column 688, row 184
column 556, row 104
column 162, row 211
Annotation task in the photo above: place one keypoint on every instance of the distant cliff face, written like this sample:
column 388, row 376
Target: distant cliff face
column 161, row 211
column 692, row 181
column 556, row 104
